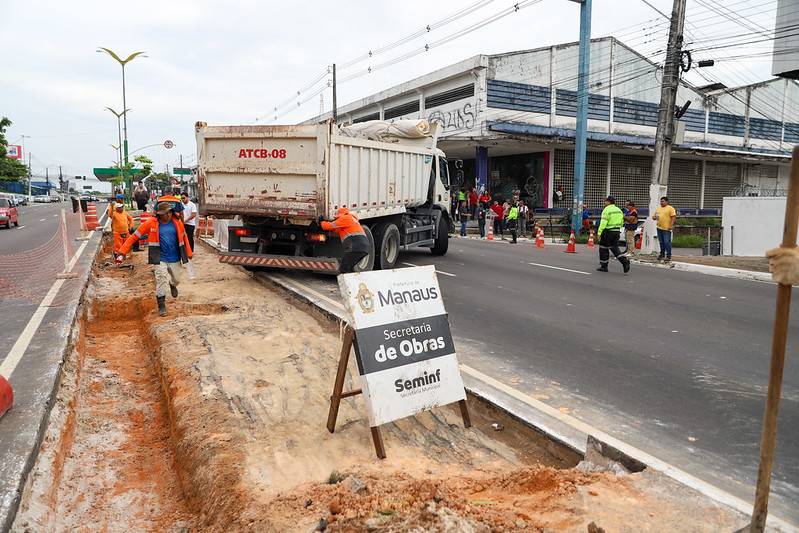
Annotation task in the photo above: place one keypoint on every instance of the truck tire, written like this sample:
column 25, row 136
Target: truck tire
column 442, row 238
column 367, row 263
column 387, row 245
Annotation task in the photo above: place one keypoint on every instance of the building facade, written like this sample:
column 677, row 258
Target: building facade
column 511, row 118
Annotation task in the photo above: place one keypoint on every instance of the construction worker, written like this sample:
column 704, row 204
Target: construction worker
column 609, row 226
column 353, row 238
column 784, row 265
column 118, row 200
column 168, row 247
column 121, row 224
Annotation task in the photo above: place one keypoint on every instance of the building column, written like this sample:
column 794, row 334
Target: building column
column 481, row 168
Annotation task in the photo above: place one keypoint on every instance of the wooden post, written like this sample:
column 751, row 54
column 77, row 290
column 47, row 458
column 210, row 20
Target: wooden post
column 341, row 374
column 339, row 394
column 769, row 437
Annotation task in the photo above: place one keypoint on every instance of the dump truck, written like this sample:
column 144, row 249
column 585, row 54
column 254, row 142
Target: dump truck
column 280, row 179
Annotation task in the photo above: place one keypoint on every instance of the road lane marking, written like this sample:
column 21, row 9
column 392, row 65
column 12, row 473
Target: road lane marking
column 18, row 350
column 559, row 268
column 437, row 270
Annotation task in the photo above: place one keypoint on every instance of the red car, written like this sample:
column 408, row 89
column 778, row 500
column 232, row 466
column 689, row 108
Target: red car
column 8, row 213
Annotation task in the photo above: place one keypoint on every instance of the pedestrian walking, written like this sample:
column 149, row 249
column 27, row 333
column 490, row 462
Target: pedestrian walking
column 464, row 214
column 168, row 248
column 353, row 238
column 630, row 225
column 513, row 217
column 665, row 216
column 189, row 217
column 609, row 226
column 499, row 223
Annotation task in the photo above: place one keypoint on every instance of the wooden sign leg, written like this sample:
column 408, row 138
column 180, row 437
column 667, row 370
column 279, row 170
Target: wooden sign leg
column 378, row 440
column 467, row 421
column 341, row 374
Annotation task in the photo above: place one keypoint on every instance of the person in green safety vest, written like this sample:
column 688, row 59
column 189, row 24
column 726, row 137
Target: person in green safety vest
column 611, row 222
column 513, row 215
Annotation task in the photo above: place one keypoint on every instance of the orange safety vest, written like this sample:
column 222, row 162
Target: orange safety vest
column 150, row 228
column 345, row 225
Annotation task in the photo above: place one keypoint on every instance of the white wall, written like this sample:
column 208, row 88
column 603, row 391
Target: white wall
column 752, row 226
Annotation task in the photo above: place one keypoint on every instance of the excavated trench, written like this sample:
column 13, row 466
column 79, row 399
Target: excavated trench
column 213, row 419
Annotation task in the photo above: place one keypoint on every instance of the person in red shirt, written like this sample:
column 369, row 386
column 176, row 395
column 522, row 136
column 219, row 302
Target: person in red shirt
column 499, row 223
column 485, row 198
column 473, row 202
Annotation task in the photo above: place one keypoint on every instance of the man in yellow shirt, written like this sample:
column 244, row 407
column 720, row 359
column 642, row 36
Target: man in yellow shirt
column 121, row 225
column 665, row 216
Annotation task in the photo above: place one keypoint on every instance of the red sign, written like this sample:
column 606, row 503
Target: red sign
column 15, row 151
column 168, row 144
column 174, row 181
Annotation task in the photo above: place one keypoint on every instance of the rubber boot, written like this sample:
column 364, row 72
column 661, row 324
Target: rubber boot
column 625, row 263
column 161, row 305
column 602, row 268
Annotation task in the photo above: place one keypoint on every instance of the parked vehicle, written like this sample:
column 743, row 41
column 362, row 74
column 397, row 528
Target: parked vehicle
column 21, row 199
column 280, row 179
column 41, row 199
column 8, row 213
column 10, row 197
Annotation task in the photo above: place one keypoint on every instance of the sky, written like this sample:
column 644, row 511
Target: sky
column 234, row 62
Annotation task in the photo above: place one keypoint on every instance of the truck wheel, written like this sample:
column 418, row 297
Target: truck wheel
column 367, row 263
column 442, row 240
column 387, row 245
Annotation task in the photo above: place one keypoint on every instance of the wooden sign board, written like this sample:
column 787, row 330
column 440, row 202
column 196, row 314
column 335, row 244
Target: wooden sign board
column 403, row 344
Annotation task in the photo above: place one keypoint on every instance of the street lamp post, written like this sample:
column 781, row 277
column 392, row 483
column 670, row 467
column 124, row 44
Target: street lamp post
column 119, row 130
column 124, row 104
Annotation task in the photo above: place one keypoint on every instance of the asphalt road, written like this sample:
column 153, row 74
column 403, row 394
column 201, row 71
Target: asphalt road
column 674, row 363
column 38, row 311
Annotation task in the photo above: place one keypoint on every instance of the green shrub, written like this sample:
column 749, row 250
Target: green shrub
column 687, row 241
column 698, row 221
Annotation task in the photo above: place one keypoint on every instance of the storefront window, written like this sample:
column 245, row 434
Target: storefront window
column 518, row 176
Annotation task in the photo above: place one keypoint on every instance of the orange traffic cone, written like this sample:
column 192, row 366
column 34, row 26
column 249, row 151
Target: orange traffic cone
column 490, row 231
column 638, row 242
column 91, row 217
column 6, row 396
column 570, row 248
column 539, row 240
column 591, row 239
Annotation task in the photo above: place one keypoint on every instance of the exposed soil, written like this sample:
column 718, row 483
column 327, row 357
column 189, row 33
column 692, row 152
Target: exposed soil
column 213, row 419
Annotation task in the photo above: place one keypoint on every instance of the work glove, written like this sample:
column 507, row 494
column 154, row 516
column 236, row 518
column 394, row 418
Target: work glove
column 320, row 218
column 120, row 258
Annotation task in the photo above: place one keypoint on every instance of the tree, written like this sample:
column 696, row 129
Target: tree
column 10, row 169
column 129, row 169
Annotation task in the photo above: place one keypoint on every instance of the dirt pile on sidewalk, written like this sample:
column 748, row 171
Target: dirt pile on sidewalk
column 213, row 419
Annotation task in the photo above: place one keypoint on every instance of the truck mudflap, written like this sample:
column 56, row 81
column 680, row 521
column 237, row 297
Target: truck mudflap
column 316, row 264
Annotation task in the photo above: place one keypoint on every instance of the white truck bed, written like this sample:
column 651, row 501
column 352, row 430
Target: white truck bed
column 301, row 172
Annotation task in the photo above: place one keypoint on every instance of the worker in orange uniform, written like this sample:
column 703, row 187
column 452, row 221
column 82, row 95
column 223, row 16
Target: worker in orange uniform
column 121, row 225
column 353, row 238
column 168, row 247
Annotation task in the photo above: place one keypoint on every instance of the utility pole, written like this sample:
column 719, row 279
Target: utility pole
column 335, row 108
column 664, row 135
column 581, row 122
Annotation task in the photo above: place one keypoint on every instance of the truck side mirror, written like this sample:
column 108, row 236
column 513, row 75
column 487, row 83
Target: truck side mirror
column 458, row 164
column 459, row 178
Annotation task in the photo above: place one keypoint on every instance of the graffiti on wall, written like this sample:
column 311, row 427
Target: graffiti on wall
column 463, row 118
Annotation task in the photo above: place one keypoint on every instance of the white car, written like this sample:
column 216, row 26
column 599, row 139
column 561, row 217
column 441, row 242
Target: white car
column 639, row 233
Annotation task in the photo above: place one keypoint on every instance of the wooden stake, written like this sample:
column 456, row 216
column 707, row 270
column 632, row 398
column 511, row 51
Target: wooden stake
column 769, row 437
